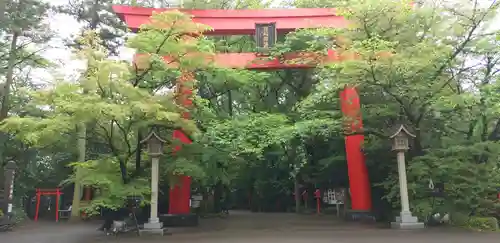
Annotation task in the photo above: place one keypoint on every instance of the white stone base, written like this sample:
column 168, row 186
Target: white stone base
column 400, row 225
column 153, row 231
column 153, row 227
column 407, row 221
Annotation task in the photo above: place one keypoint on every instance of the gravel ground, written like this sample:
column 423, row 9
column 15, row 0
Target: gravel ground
column 243, row 227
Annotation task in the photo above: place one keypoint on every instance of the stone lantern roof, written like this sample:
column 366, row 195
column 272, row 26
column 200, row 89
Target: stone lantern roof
column 152, row 135
column 400, row 128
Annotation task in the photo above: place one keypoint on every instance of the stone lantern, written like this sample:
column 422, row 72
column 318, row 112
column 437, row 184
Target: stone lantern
column 400, row 140
column 155, row 144
column 400, row 136
column 155, row 150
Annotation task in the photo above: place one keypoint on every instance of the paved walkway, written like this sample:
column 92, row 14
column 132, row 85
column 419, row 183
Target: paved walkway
column 242, row 227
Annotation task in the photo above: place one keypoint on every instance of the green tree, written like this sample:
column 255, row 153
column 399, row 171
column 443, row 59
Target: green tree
column 23, row 38
column 106, row 99
column 411, row 68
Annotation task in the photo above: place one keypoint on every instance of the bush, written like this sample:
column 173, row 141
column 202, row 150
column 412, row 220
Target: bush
column 469, row 187
column 19, row 215
column 459, row 219
column 483, row 223
column 474, row 223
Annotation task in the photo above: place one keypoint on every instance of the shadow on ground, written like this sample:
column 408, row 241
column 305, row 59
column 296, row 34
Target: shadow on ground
column 243, row 227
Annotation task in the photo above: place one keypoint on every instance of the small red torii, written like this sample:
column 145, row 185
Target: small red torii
column 47, row 192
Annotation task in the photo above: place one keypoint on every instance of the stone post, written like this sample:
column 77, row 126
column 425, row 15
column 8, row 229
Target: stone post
column 405, row 220
column 153, row 219
column 403, row 183
column 9, row 174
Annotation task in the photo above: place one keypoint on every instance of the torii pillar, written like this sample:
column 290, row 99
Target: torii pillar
column 358, row 173
column 180, row 192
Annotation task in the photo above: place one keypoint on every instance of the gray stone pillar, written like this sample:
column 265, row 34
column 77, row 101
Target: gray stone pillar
column 405, row 220
column 9, row 174
column 154, row 222
column 154, row 225
column 403, row 183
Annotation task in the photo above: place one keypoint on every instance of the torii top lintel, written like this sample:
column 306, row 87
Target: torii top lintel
column 241, row 22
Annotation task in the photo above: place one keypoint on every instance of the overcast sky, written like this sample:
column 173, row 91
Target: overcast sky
column 64, row 27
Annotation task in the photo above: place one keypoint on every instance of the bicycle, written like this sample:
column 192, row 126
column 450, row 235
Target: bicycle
column 130, row 223
column 6, row 222
column 123, row 226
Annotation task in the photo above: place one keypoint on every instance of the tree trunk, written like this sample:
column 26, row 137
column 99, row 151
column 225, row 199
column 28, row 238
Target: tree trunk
column 296, row 190
column 218, row 191
column 82, row 133
column 138, row 168
column 81, row 145
column 3, row 7
column 9, row 77
column 5, row 92
column 230, row 103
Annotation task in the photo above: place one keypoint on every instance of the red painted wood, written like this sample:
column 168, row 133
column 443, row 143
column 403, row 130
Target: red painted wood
column 317, row 195
column 37, row 208
column 254, row 61
column 180, row 194
column 358, row 173
column 87, row 193
column 57, row 204
column 47, row 192
column 241, row 22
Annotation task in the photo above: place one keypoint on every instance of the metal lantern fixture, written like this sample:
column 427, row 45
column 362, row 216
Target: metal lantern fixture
column 400, row 138
column 155, row 144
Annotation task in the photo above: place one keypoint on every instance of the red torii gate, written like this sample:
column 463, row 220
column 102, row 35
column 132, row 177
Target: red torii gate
column 48, row 192
column 243, row 22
